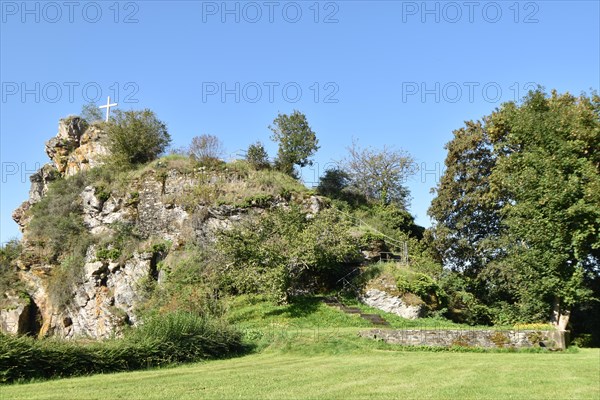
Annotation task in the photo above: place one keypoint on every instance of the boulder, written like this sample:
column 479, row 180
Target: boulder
column 393, row 304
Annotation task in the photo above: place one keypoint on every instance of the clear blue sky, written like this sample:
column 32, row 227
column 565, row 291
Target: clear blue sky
column 388, row 72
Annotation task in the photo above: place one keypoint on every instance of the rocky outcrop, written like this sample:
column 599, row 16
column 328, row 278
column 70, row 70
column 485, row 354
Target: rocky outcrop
column 76, row 147
column 19, row 316
column 110, row 291
column 39, row 186
column 40, row 181
column 106, row 299
column 393, row 304
column 157, row 205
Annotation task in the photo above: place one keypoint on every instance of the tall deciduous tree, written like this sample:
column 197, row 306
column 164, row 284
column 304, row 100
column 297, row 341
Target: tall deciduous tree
column 551, row 171
column 206, row 147
column 519, row 204
column 297, row 141
column 380, row 175
column 466, row 208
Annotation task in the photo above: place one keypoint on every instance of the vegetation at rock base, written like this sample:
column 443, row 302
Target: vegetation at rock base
column 307, row 349
column 162, row 340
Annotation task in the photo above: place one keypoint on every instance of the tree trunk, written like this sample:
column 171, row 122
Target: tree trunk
column 560, row 316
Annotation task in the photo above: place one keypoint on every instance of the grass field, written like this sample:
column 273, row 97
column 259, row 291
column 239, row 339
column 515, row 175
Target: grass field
column 310, row 351
column 374, row 374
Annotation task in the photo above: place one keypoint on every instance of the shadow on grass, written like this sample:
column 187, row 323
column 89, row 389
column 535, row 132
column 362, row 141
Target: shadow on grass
column 299, row 307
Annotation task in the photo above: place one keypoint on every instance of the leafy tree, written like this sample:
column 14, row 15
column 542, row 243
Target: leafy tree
column 314, row 250
column 136, row 137
column 257, row 156
column 380, row 174
column 333, row 182
column 297, row 141
column 518, row 208
column 91, row 113
column 466, row 209
column 551, row 170
column 206, row 147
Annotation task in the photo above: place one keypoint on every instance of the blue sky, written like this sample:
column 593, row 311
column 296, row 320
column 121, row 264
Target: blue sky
column 404, row 74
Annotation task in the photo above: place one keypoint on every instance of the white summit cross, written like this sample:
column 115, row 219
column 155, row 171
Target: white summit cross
column 108, row 106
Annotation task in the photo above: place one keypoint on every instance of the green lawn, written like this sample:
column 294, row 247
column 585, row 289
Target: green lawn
column 311, row 312
column 309, row 350
column 370, row 374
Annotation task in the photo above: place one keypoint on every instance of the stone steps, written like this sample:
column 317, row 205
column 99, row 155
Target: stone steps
column 375, row 319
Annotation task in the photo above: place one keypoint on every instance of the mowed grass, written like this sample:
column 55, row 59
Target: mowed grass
column 307, row 350
column 310, row 312
column 373, row 374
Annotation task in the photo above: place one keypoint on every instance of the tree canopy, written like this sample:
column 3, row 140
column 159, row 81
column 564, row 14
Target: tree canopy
column 206, row 147
column 136, row 137
column 380, row 174
column 519, row 205
column 297, row 141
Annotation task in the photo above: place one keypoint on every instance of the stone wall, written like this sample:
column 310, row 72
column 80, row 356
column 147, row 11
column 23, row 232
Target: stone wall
column 470, row 338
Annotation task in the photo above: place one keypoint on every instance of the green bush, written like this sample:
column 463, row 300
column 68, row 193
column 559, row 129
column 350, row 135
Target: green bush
column 584, row 340
column 421, row 285
column 315, row 249
column 161, row 247
column 464, row 306
column 181, row 336
column 162, row 340
column 57, row 225
column 63, row 279
column 102, row 192
column 105, row 254
column 257, row 156
column 120, row 244
column 136, row 137
column 9, row 279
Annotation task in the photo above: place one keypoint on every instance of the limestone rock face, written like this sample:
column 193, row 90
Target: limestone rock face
column 19, row 317
column 39, row 186
column 106, row 299
column 393, row 304
column 40, row 181
column 108, row 292
column 76, row 147
column 156, row 204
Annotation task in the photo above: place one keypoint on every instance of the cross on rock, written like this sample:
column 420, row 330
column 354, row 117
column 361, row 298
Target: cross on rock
column 108, row 106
